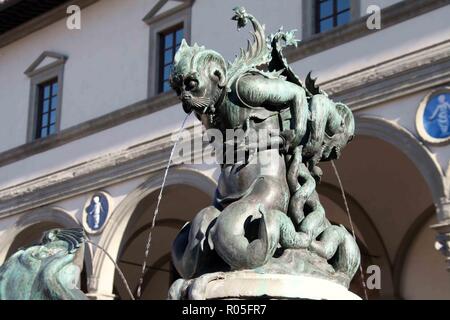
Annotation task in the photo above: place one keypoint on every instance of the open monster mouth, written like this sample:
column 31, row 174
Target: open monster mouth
column 65, row 252
column 203, row 104
column 200, row 105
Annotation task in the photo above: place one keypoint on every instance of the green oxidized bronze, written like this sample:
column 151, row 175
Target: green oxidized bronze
column 49, row 271
column 266, row 219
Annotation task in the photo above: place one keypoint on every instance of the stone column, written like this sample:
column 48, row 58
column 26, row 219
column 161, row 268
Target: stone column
column 443, row 229
column 95, row 294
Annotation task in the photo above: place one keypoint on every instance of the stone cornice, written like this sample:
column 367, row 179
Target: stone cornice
column 115, row 118
column 40, row 22
column 84, row 177
column 419, row 70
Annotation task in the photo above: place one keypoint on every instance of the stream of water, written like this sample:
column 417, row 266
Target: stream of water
column 361, row 271
column 127, row 287
column 155, row 213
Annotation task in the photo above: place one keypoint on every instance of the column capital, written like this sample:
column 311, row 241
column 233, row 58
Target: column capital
column 442, row 243
column 443, row 209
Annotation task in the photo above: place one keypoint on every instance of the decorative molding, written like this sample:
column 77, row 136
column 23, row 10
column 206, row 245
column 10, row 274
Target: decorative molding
column 392, row 15
column 153, row 16
column 107, row 121
column 40, row 22
column 88, row 176
column 33, row 68
column 158, row 6
column 419, row 70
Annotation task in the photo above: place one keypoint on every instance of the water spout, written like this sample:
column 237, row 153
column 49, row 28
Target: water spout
column 155, row 213
column 351, row 225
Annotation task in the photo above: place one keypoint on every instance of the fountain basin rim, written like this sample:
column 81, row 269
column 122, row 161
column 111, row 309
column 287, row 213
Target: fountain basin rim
column 251, row 285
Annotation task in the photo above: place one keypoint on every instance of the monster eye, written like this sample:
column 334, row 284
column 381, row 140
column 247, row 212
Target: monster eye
column 191, row 84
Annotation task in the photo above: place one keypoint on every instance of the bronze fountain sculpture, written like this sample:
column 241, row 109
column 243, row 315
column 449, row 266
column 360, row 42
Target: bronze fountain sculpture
column 266, row 235
column 266, row 218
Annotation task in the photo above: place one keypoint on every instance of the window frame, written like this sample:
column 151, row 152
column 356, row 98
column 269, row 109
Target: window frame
column 40, row 108
column 310, row 15
column 334, row 15
column 158, row 23
column 161, row 51
column 39, row 76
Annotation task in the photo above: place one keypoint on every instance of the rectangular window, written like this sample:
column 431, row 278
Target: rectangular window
column 331, row 13
column 47, row 106
column 169, row 42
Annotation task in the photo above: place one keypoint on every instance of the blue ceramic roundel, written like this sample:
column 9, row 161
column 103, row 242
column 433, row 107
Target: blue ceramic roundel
column 436, row 116
column 97, row 211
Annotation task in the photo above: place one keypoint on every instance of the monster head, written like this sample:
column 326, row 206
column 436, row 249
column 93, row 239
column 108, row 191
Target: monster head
column 49, row 271
column 333, row 144
column 198, row 77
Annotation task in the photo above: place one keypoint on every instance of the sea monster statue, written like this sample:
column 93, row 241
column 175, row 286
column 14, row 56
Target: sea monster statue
column 266, row 219
column 48, row 271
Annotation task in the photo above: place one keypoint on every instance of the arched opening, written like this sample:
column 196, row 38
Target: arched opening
column 393, row 193
column 422, row 271
column 366, row 235
column 180, row 203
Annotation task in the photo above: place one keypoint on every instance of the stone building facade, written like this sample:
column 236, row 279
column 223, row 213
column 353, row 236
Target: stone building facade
column 87, row 127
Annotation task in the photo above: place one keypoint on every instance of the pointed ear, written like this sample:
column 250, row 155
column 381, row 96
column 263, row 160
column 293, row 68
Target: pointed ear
column 222, row 78
column 184, row 44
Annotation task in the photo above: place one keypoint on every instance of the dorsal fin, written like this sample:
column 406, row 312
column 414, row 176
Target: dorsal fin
column 257, row 53
column 311, row 84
